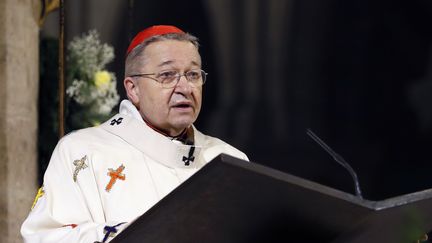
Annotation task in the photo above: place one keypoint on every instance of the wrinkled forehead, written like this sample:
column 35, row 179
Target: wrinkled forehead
column 139, row 48
column 171, row 53
column 164, row 54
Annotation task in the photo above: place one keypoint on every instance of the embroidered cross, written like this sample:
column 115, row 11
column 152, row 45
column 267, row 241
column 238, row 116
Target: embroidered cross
column 118, row 121
column 39, row 194
column 79, row 165
column 115, row 174
column 190, row 157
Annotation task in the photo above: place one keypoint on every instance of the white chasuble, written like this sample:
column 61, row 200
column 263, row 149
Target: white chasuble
column 101, row 179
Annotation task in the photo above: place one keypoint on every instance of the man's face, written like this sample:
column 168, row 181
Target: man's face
column 169, row 109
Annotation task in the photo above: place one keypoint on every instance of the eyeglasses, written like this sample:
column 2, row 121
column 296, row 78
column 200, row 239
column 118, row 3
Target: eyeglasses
column 170, row 78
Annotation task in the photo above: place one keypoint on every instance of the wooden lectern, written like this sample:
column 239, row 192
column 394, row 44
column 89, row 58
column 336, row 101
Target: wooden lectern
column 231, row 200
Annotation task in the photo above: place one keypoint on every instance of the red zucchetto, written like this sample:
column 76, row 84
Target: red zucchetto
column 152, row 31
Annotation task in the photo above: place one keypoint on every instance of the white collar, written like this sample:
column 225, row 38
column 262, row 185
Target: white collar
column 127, row 108
column 130, row 126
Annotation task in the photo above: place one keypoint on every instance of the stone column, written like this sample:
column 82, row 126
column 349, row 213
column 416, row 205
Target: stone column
column 19, row 75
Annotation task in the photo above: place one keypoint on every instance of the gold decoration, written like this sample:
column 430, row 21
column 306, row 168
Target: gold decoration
column 39, row 194
column 79, row 165
column 49, row 6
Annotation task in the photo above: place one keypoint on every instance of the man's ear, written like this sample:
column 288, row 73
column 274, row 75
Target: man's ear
column 132, row 90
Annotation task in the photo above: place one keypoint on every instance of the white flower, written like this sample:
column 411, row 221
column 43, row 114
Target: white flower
column 89, row 84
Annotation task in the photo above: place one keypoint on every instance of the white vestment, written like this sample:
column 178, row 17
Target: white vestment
column 111, row 174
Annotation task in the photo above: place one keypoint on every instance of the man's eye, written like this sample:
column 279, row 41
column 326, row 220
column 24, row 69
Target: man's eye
column 194, row 75
column 167, row 75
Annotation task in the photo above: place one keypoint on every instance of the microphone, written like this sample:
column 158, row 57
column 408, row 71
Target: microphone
column 338, row 159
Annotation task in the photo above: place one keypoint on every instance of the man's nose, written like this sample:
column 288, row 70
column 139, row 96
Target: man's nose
column 183, row 85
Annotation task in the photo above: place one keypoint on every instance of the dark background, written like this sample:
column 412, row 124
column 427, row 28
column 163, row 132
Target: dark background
column 358, row 73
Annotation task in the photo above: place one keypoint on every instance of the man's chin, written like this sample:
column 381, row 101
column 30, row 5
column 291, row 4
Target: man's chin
column 180, row 125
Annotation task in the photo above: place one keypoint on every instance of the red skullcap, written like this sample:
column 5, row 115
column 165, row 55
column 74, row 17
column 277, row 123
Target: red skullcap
column 152, row 31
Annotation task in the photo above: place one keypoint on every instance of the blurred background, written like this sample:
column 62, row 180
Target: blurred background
column 357, row 73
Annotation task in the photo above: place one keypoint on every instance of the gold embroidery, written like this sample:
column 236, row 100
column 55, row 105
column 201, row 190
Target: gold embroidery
column 39, row 194
column 79, row 165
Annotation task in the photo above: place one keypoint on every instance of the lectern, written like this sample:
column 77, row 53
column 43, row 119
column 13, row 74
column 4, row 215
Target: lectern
column 231, row 200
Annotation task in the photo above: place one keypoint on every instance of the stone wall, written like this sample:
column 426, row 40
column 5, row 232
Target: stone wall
column 19, row 73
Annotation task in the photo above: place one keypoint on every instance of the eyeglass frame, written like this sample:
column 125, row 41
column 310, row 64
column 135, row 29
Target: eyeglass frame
column 177, row 77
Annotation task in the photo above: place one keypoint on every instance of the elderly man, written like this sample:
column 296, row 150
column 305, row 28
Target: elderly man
column 100, row 179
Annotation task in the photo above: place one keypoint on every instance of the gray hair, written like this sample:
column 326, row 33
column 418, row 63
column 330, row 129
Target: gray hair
column 134, row 60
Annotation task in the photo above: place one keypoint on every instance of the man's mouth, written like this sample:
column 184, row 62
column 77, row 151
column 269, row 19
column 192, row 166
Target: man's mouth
column 182, row 105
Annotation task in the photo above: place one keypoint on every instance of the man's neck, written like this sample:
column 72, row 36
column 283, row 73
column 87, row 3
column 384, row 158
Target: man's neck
column 185, row 136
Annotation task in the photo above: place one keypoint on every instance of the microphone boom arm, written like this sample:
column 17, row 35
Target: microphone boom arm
column 338, row 159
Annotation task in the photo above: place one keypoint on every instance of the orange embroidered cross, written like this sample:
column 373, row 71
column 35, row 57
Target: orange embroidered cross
column 39, row 194
column 115, row 174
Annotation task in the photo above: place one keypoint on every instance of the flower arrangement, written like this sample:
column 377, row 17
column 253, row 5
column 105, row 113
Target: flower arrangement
column 90, row 88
